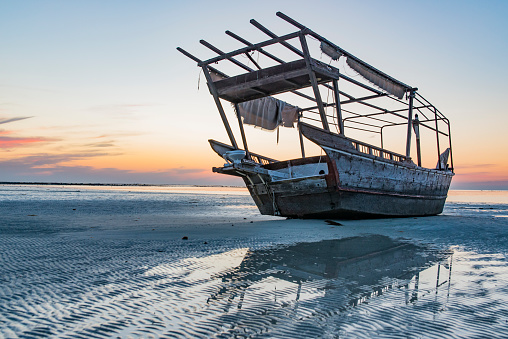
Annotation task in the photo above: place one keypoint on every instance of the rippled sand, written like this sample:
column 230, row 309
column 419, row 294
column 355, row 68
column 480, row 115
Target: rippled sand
column 81, row 262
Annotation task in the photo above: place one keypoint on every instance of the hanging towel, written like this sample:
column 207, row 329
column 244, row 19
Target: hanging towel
column 268, row 113
column 377, row 79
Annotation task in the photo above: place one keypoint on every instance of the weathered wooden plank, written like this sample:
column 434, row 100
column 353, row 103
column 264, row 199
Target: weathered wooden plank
column 344, row 52
column 271, row 56
column 218, row 51
column 367, row 189
column 250, row 48
column 313, row 81
column 260, row 50
column 273, row 80
column 192, row 57
column 234, row 87
column 221, row 148
column 340, row 142
column 337, row 106
column 362, row 173
column 273, row 35
column 409, row 123
column 215, row 95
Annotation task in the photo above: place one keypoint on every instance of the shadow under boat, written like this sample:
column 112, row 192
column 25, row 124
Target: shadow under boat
column 358, row 267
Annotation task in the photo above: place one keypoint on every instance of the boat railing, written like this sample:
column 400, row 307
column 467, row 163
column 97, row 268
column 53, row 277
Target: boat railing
column 339, row 141
column 379, row 152
column 261, row 159
column 429, row 113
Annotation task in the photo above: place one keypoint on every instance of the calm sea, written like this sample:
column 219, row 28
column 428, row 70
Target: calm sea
column 200, row 262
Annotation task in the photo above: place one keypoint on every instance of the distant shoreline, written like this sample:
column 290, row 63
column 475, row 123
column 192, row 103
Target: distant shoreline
column 174, row 185
column 103, row 184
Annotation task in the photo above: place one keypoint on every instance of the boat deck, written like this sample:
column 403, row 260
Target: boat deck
column 273, row 80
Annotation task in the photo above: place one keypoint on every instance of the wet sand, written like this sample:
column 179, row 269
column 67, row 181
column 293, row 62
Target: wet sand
column 105, row 262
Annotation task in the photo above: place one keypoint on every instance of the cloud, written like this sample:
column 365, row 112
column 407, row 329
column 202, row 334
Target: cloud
column 48, row 168
column 494, row 180
column 480, row 185
column 101, row 144
column 5, row 121
column 7, row 142
column 12, row 142
column 39, row 160
column 184, row 170
column 475, row 166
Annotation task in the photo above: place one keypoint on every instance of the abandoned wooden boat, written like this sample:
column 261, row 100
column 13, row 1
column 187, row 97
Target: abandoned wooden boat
column 352, row 179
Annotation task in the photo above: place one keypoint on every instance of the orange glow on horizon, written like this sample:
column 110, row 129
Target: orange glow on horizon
column 8, row 142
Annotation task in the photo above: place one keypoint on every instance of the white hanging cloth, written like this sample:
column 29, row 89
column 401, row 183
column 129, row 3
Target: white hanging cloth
column 377, row 79
column 268, row 113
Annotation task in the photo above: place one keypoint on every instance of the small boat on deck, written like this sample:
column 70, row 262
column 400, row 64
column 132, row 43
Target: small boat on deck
column 352, row 179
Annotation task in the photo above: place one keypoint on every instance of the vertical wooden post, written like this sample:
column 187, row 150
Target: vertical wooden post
column 313, row 81
column 437, row 139
column 215, row 95
column 416, row 127
column 301, row 135
column 337, row 105
column 409, row 123
column 450, row 140
column 242, row 132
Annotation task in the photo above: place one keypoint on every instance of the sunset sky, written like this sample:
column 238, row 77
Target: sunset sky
column 96, row 92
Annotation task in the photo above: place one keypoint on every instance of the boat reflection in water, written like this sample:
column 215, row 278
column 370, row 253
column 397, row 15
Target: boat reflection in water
column 333, row 275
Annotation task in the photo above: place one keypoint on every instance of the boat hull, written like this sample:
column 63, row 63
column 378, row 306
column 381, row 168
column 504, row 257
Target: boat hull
column 344, row 184
column 344, row 204
column 353, row 187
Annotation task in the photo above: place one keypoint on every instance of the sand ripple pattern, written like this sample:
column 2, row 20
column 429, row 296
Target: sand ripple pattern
column 99, row 289
column 79, row 267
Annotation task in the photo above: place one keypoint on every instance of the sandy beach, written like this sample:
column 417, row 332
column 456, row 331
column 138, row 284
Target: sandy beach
column 187, row 262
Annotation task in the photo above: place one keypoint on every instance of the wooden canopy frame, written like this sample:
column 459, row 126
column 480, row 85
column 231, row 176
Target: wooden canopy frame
column 291, row 77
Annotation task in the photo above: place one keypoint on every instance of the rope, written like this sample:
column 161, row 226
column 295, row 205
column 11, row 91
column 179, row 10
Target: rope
column 319, row 162
column 199, row 77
